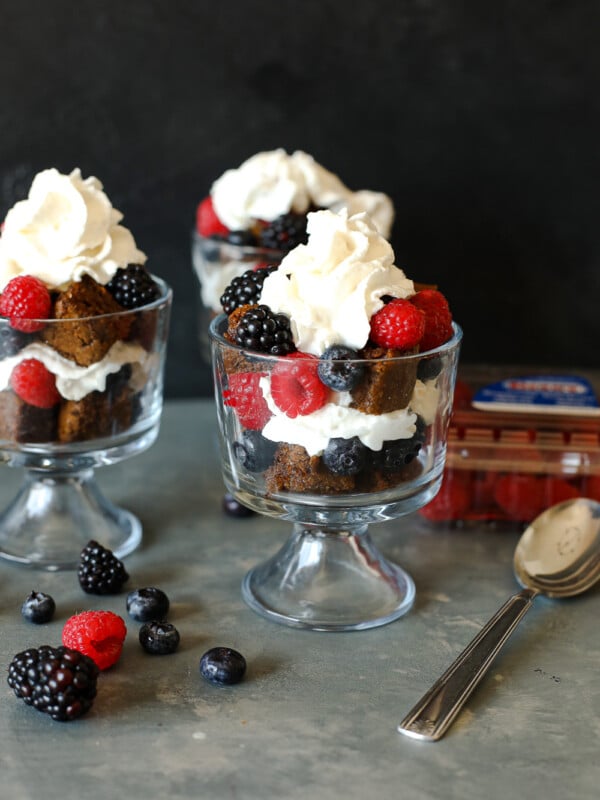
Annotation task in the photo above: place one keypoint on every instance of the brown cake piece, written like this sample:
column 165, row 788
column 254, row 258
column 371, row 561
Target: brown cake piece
column 88, row 338
column 293, row 470
column 378, row 480
column 387, row 384
column 99, row 414
column 21, row 422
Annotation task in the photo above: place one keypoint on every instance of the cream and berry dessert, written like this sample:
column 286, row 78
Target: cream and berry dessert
column 82, row 321
column 334, row 372
column 257, row 213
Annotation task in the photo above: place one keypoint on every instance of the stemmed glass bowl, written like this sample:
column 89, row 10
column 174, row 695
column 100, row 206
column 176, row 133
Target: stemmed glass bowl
column 329, row 575
column 108, row 410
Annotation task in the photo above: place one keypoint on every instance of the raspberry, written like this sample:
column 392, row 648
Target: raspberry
column 97, row 634
column 100, row 571
column 295, row 385
column 207, row 222
column 520, row 496
column 54, row 680
column 34, row 384
column 25, row 299
column 452, row 501
column 438, row 319
column 399, row 324
column 245, row 396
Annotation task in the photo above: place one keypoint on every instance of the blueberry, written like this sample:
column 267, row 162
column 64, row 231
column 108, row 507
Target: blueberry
column 12, row 341
column 146, row 604
column 159, row 638
column 233, row 507
column 397, row 453
column 254, row 452
column 345, row 456
column 429, row 368
column 222, row 666
column 38, row 608
column 339, row 369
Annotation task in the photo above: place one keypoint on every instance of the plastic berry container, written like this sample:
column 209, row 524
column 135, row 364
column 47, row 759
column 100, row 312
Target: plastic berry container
column 520, row 440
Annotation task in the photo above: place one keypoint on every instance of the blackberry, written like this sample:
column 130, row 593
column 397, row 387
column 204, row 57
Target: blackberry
column 262, row 330
column 147, row 604
column 397, row 453
column 159, row 638
column 100, row 571
column 233, row 507
column 345, row 456
column 339, row 369
column 245, row 289
column 284, row 233
column 222, row 666
column 38, row 608
column 55, row 680
column 133, row 287
column 254, row 452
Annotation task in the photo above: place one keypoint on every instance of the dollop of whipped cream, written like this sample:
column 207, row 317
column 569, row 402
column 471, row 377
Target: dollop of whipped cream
column 66, row 228
column 331, row 286
column 273, row 183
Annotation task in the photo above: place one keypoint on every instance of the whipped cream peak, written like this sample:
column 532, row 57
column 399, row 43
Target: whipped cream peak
column 66, row 228
column 331, row 286
column 273, row 183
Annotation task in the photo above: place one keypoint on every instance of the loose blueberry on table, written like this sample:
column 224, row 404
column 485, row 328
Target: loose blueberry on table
column 159, row 638
column 222, row 666
column 144, row 605
column 38, row 608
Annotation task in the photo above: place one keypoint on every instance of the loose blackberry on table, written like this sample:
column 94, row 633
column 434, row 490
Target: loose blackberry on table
column 57, row 681
column 100, row 571
column 265, row 332
column 245, row 289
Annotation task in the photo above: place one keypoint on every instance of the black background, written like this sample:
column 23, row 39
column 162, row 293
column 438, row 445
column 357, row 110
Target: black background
column 480, row 120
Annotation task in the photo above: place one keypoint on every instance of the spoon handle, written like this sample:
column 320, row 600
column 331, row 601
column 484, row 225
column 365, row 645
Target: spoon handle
column 431, row 717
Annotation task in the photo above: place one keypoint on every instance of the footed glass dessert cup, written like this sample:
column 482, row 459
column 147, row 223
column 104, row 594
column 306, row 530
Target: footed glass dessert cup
column 74, row 395
column 366, row 455
column 216, row 263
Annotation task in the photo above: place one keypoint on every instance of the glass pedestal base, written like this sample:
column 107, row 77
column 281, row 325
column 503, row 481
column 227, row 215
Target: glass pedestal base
column 329, row 580
column 55, row 514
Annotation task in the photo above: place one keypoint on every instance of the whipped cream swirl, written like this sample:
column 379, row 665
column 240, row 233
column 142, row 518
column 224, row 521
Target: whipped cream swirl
column 331, row 286
column 66, row 228
column 273, row 183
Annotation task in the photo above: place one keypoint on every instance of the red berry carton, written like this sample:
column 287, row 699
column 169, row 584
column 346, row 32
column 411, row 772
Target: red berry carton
column 520, row 440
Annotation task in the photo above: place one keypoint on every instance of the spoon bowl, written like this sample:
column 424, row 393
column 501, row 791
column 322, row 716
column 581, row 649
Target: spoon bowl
column 558, row 555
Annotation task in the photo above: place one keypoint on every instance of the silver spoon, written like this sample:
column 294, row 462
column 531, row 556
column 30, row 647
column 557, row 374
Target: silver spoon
column 558, row 556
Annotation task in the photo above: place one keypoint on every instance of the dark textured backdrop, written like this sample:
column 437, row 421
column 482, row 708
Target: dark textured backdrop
column 480, row 120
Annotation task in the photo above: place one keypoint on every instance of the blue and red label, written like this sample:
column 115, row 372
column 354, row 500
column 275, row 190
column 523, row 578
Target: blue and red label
column 556, row 394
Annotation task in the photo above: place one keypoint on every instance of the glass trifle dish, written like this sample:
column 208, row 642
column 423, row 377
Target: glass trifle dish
column 83, row 333
column 257, row 213
column 334, row 381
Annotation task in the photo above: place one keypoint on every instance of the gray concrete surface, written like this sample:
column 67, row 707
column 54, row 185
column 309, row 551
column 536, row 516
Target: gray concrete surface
column 316, row 715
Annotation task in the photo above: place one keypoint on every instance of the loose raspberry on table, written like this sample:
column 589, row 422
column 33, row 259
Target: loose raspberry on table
column 34, row 384
column 438, row 318
column 296, row 387
column 399, row 325
column 245, row 396
column 24, row 300
column 207, row 222
column 97, row 634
